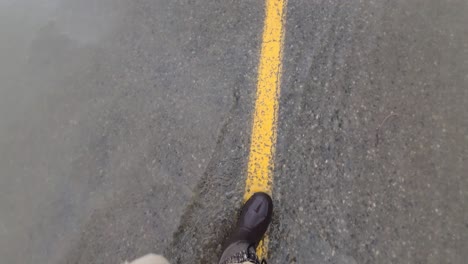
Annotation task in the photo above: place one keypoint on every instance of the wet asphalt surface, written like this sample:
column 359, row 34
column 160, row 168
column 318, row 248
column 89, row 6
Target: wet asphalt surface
column 125, row 130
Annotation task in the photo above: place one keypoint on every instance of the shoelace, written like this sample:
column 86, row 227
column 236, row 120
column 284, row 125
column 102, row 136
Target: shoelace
column 243, row 256
column 253, row 255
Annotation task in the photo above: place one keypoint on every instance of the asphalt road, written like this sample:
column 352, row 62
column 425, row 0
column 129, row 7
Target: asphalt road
column 125, row 129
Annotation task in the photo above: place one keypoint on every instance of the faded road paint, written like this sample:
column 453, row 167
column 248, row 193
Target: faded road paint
column 263, row 140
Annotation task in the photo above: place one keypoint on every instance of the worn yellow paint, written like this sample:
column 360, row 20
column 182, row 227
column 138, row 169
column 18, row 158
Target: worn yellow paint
column 263, row 139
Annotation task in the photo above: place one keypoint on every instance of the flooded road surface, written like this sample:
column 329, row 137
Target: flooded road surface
column 125, row 129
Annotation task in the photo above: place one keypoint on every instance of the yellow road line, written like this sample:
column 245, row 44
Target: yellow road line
column 263, row 139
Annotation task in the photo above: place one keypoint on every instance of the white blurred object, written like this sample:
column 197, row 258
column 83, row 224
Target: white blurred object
column 150, row 259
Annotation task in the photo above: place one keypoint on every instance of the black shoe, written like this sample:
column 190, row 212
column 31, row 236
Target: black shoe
column 251, row 226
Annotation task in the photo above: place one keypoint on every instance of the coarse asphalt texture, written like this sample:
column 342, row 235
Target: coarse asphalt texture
column 125, row 129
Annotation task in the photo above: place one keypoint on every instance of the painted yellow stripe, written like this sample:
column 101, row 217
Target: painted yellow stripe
column 263, row 140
